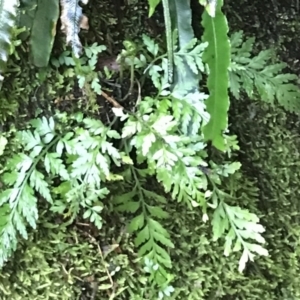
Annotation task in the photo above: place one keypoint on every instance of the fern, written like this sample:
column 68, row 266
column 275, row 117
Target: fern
column 79, row 158
column 90, row 156
column 152, row 239
column 188, row 105
column 150, row 232
column 259, row 75
column 181, row 16
column 155, row 130
column 18, row 204
column 178, row 161
column 192, row 53
column 159, row 132
column 175, row 158
column 239, row 225
column 78, row 155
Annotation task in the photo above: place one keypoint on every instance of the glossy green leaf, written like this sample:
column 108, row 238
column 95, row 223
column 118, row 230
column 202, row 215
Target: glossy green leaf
column 217, row 57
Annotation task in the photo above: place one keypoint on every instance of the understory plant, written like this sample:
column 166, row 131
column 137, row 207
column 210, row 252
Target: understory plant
column 73, row 163
column 78, row 152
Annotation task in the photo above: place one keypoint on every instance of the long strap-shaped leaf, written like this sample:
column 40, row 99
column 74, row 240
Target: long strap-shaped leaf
column 168, row 26
column 217, row 57
column 181, row 17
column 8, row 17
column 26, row 16
column 43, row 31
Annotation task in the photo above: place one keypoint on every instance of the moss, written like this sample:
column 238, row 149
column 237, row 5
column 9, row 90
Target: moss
column 59, row 262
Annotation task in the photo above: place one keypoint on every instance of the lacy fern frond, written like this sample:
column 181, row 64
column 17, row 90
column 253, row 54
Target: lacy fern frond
column 176, row 154
column 239, row 225
column 192, row 54
column 187, row 103
column 18, row 203
column 172, row 156
column 90, row 154
column 179, row 164
column 259, row 75
column 152, row 238
column 79, row 158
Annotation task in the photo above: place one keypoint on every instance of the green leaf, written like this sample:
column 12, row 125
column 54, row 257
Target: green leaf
column 158, row 212
column 240, row 226
column 152, row 47
column 23, row 205
column 123, row 198
column 30, row 139
column 130, row 206
column 102, row 163
column 26, row 16
column 129, row 129
column 136, row 223
column 97, row 208
column 258, row 74
column 148, row 139
column 43, row 31
column 54, row 165
column 37, row 180
column 43, row 125
column 152, row 6
column 184, row 77
column 87, row 214
column 8, row 16
column 110, row 149
column 113, row 134
column 217, row 56
column 142, row 236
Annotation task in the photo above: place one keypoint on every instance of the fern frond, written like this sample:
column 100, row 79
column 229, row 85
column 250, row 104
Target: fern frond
column 258, row 75
column 151, row 237
column 240, row 225
column 88, row 153
column 18, row 204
